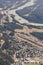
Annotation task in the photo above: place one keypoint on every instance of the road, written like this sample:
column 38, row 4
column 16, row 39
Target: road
column 20, row 19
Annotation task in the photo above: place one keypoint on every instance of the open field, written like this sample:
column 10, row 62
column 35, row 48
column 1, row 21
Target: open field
column 31, row 64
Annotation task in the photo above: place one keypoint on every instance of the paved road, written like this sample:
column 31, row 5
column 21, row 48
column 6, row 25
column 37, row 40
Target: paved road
column 20, row 19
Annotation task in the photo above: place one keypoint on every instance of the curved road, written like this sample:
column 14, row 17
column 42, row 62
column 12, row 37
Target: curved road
column 20, row 19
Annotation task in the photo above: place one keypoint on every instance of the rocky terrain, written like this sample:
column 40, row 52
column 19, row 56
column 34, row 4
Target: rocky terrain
column 21, row 32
